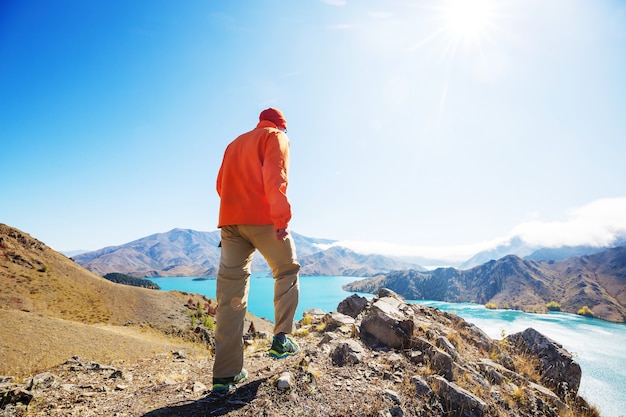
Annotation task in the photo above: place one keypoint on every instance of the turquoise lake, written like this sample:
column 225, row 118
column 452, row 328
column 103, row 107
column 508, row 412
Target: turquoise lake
column 599, row 346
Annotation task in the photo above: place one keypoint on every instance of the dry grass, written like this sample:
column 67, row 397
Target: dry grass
column 30, row 343
column 48, row 302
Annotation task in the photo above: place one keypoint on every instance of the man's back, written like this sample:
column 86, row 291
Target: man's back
column 252, row 181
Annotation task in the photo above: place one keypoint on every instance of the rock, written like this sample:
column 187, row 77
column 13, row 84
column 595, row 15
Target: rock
column 475, row 335
column 14, row 397
column 347, row 352
column 558, row 369
column 444, row 344
column 352, row 306
column 395, row 397
column 385, row 325
column 386, row 292
column 198, row 387
column 439, row 361
column 314, row 313
column 336, row 320
column 457, row 401
column 43, row 381
column 180, row 354
column 284, row 381
column 422, row 389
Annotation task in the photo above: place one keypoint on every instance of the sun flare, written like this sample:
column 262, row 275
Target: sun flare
column 468, row 22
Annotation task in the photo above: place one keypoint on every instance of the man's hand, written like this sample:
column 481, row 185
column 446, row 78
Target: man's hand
column 281, row 234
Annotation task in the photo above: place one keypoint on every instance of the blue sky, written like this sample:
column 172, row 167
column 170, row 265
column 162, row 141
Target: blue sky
column 422, row 125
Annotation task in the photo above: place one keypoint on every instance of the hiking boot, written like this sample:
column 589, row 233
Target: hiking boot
column 225, row 384
column 281, row 350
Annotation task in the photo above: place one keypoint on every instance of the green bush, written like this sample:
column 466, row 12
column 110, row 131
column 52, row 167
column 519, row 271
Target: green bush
column 491, row 306
column 209, row 323
column 132, row 281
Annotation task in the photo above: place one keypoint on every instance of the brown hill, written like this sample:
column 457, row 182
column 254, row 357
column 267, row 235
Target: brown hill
column 186, row 252
column 51, row 306
column 597, row 281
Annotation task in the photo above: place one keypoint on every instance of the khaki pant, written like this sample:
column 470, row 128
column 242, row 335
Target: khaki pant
column 233, row 284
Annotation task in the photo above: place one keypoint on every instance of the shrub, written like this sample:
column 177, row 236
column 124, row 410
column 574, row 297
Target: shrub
column 209, row 323
column 585, row 311
column 307, row 320
column 491, row 306
column 553, row 306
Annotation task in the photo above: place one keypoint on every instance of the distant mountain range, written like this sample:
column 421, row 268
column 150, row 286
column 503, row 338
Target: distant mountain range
column 517, row 246
column 185, row 252
column 597, row 281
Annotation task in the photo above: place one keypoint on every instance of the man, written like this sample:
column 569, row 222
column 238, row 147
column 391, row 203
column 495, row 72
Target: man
column 254, row 214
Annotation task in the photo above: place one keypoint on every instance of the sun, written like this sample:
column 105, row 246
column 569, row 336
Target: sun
column 467, row 23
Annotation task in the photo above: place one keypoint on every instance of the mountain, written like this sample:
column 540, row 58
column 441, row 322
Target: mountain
column 597, row 281
column 185, row 252
column 341, row 261
column 517, row 246
column 179, row 252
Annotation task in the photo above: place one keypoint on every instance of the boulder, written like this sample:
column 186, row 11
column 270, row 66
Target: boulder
column 385, row 325
column 455, row 400
column 558, row 369
column 335, row 320
column 439, row 361
column 422, row 389
column 347, row 352
column 352, row 306
column 43, row 381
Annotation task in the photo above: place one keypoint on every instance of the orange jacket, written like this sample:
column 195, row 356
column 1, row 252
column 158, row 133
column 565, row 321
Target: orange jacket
column 252, row 180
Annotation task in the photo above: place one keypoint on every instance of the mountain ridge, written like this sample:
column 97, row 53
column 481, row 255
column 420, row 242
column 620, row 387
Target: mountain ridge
column 597, row 281
column 186, row 252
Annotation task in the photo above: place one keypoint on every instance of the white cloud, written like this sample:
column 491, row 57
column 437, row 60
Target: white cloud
column 453, row 253
column 598, row 223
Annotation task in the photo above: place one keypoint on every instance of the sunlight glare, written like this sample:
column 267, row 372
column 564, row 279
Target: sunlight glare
column 468, row 20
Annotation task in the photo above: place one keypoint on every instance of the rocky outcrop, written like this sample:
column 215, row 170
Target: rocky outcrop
column 558, row 369
column 391, row 359
column 467, row 373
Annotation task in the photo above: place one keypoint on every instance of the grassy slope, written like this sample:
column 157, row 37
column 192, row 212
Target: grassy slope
column 51, row 308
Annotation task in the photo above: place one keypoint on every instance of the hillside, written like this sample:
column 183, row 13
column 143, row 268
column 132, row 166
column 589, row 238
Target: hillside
column 47, row 298
column 184, row 252
column 382, row 357
column 597, row 281
column 74, row 344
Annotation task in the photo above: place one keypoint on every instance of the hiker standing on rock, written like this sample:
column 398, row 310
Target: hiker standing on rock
column 254, row 214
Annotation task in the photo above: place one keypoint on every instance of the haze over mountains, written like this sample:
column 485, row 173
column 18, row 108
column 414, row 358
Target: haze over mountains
column 185, row 252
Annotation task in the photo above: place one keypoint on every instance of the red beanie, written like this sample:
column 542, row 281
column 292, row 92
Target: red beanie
column 275, row 116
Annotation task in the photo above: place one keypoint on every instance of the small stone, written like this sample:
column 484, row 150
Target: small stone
column 43, row 381
column 199, row 387
column 393, row 395
column 284, row 381
column 180, row 354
